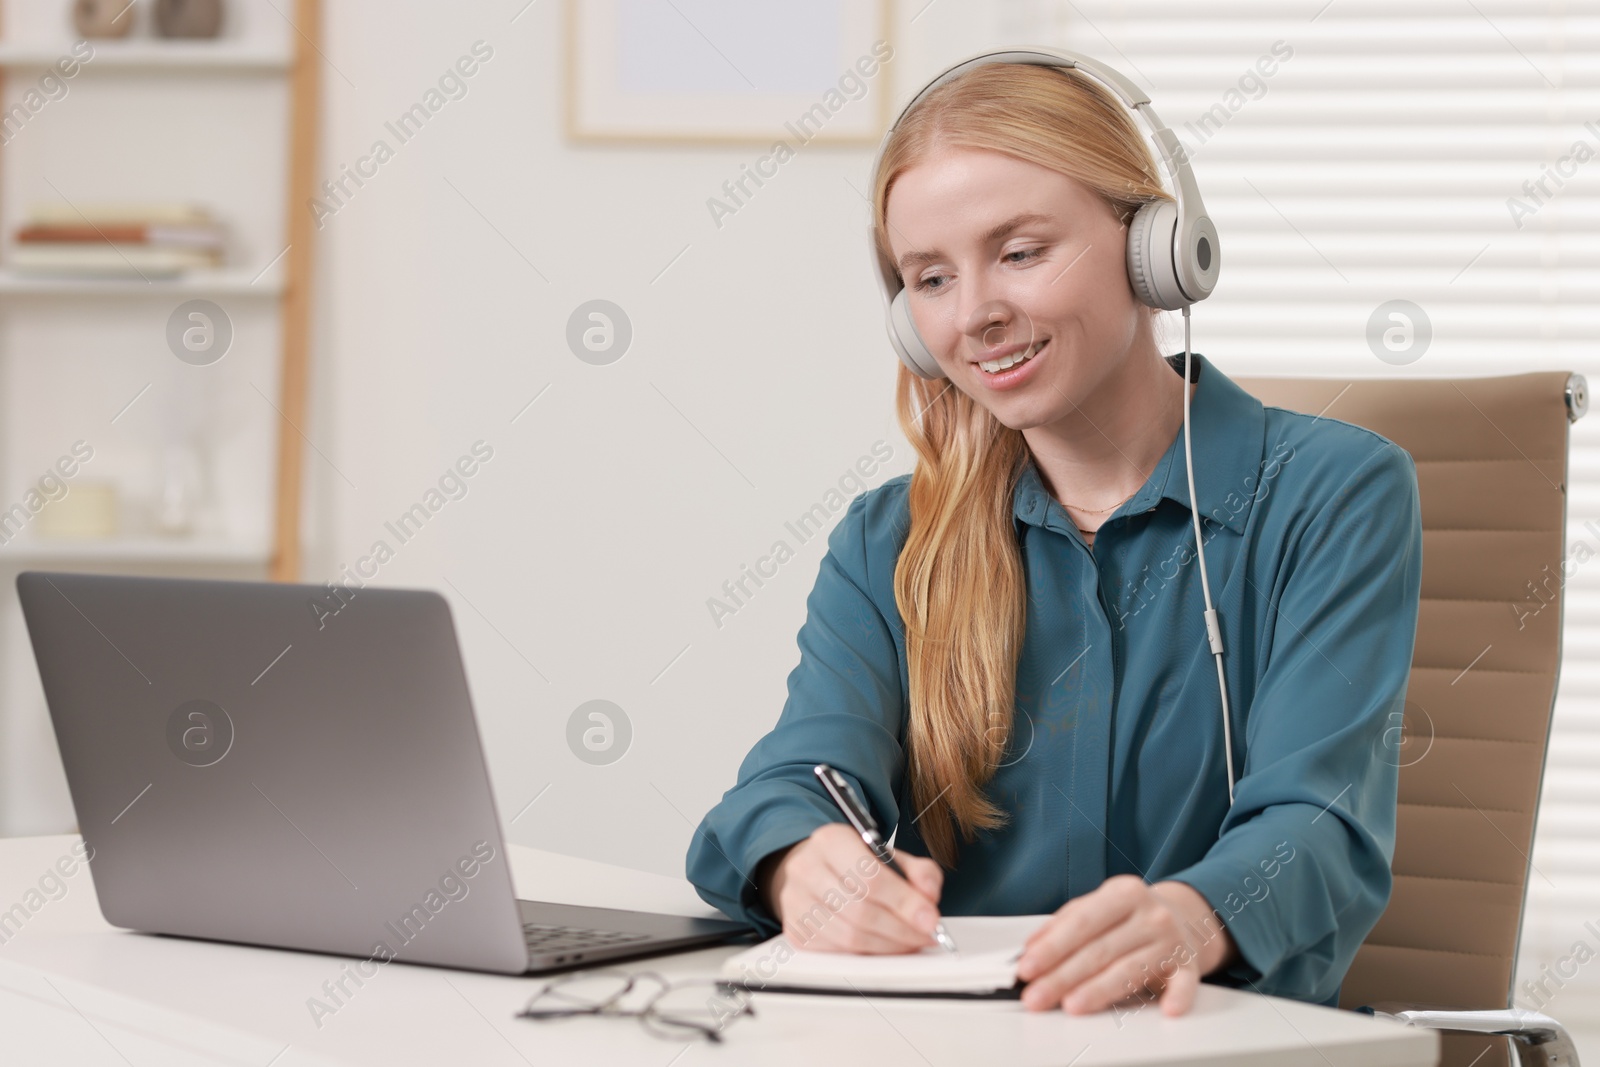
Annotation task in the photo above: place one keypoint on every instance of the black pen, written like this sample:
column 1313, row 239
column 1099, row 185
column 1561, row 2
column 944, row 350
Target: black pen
column 842, row 794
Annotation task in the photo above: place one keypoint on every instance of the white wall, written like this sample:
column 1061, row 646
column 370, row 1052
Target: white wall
column 625, row 497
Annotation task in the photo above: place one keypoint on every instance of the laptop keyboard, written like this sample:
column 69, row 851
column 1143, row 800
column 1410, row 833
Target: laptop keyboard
column 545, row 938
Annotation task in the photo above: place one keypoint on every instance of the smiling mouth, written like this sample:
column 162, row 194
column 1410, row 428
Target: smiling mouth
column 998, row 365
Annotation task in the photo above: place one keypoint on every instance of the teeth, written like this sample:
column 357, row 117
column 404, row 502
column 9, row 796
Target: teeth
column 998, row 365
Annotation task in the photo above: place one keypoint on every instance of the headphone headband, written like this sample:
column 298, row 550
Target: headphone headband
column 1172, row 262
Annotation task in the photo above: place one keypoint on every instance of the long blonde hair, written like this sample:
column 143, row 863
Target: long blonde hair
column 959, row 582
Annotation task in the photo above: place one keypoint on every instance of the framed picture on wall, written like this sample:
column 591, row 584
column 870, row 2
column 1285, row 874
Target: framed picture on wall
column 728, row 71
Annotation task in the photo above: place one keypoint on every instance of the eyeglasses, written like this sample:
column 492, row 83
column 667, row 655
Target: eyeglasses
column 689, row 1007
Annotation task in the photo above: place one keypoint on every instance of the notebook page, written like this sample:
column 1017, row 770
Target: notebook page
column 989, row 948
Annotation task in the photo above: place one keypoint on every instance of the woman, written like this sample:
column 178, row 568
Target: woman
column 1005, row 650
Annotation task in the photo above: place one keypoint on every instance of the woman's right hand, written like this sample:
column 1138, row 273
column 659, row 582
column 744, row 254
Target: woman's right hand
column 881, row 912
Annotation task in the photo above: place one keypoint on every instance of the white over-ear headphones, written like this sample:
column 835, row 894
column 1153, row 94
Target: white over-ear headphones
column 1173, row 260
column 1173, row 256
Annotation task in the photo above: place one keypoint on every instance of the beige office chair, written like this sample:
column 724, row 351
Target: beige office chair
column 1491, row 456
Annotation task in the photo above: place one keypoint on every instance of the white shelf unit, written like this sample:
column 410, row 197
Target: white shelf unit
column 122, row 55
column 236, row 282
column 228, row 123
column 197, row 550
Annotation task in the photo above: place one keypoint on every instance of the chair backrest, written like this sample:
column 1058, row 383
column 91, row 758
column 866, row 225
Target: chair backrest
column 1491, row 456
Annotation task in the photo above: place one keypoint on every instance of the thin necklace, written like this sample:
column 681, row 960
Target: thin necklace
column 1097, row 511
column 1119, row 503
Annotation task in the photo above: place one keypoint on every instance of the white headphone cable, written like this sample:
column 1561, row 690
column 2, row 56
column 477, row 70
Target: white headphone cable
column 1213, row 629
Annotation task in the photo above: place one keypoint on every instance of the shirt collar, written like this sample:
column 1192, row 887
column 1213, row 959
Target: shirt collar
column 1226, row 427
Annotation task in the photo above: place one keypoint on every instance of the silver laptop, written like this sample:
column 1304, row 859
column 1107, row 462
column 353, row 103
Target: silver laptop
column 276, row 764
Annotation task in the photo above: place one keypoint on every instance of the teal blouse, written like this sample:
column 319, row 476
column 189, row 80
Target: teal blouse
column 1313, row 538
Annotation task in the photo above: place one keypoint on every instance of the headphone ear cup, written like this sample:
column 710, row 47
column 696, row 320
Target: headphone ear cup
column 1151, row 269
column 908, row 343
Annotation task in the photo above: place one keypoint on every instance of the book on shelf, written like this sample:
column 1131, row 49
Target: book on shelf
column 60, row 213
column 156, row 234
column 117, row 240
column 110, row 259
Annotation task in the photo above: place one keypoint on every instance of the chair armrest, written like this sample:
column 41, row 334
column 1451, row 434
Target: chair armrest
column 1541, row 1040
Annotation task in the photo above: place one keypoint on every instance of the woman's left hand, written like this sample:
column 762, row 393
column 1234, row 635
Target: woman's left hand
column 1121, row 939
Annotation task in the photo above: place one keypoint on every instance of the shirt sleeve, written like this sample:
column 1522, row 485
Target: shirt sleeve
column 1300, row 873
column 845, row 707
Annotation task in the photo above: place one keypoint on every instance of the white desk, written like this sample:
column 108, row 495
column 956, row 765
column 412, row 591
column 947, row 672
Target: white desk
column 74, row 990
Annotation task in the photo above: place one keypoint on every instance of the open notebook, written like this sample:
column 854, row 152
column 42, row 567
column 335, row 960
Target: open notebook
column 985, row 966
